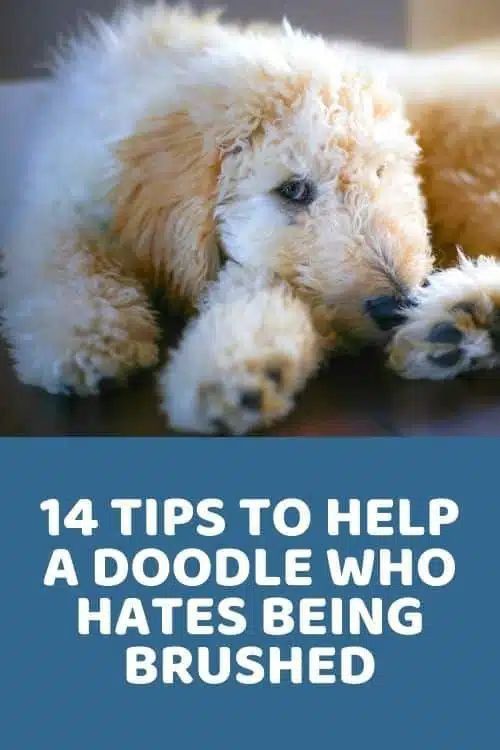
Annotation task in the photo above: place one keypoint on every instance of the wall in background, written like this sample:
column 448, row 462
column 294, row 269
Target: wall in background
column 29, row 27
column 440, row 23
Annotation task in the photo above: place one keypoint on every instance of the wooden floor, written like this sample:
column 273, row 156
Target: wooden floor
column 352, row 396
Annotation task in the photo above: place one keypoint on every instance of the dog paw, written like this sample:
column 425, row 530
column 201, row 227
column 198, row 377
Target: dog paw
column 256, row 394
column 93, row 363
column 455, row 327
column 240, row 363
column 65, row 357
column 234, row 400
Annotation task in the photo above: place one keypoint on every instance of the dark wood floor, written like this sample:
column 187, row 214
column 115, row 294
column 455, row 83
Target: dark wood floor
column 352, row 396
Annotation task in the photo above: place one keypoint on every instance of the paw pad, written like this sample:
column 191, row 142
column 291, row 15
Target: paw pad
column 220, row 426
column 448, row 359
column 445, row 333
column 252, row 400
column 275, row 374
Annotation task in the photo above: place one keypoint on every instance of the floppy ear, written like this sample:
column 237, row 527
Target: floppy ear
column 164, row 202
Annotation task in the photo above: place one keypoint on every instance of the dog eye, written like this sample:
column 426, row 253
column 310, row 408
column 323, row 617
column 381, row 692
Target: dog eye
column 380, row 171
column 300, row 191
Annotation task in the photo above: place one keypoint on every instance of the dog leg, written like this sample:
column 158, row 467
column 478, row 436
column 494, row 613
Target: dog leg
column 75, row 321
column 455, row 325
column 241, row 362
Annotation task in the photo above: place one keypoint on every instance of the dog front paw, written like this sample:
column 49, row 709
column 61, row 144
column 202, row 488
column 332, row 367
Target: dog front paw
column 73, row 346
column 454, row 328
column 243, row 359
column 94, row 361
column 256, row 394
column 232, row 400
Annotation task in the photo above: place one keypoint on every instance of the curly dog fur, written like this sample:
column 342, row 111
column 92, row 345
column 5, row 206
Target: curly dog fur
column 268, row 179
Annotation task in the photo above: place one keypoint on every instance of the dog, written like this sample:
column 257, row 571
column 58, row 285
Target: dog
column 268, row 180
column 452, row 99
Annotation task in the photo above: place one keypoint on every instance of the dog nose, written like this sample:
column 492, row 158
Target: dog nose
column 386, row 311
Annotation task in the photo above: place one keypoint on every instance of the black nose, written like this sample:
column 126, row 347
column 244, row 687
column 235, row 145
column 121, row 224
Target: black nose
column 386, row 311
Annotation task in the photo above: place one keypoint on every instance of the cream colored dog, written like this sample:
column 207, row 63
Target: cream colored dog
column 264, row 178
column 453, row 102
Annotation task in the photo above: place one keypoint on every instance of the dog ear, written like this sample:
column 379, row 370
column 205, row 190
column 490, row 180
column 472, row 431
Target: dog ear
column 164, row 202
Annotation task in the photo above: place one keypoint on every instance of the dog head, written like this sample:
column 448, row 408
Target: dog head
column 284, row 156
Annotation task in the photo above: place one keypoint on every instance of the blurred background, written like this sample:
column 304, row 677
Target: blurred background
column 28, row 27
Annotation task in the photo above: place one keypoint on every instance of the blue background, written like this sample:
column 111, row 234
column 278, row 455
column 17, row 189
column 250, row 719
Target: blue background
column 436, row 691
